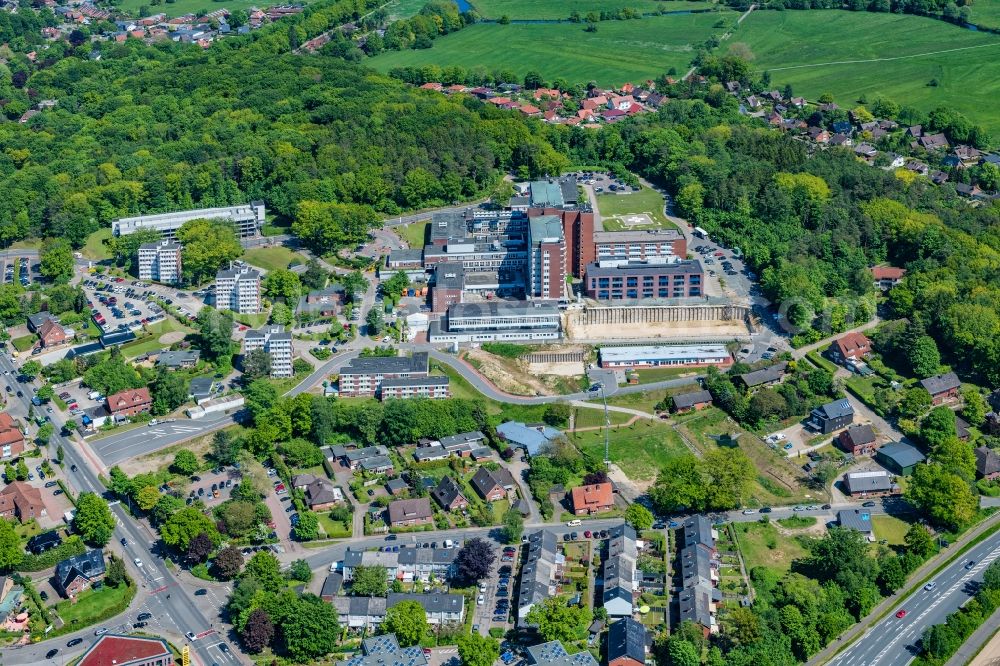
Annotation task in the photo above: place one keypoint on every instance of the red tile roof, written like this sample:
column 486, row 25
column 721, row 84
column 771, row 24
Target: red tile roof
column 112, row 650
column 128, row 398
column 592, row 497
column 888, row 273
column 853, row 344
column 9, row 434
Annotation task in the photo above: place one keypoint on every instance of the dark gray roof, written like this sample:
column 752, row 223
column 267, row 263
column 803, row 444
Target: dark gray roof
column 868, row 482
column 397, row 484
column 449, row 275
column 397, row 382
column 692, row 267
column 373, row 365
column 698, row 530
column 765, row 375
column 856, row 519
column 117, row 338
column 694, row 604
column 941, row 383
column 384, row 650
column 627, row 638
column 903, row 454
column 443, row 557
column 407, row 256
column 860, row 434
column 376, row 462
column 485, row 479
column 835, row 409
column 447, row 491
column 332, row 585
column 554, row 654
column 88, row 565
column 463, row 437
column 696, row 564
column 987, row 461
column 686, row 400
column 175, row 359
column 432, row 603
column 200, row 386
column 411, row 509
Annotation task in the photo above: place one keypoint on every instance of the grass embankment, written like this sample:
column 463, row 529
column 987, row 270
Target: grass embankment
column 272, row 258
column 618, row 52
column 817, row 51
column 414, row 235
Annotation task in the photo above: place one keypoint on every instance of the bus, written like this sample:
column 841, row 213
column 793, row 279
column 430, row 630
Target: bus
column 701, row 233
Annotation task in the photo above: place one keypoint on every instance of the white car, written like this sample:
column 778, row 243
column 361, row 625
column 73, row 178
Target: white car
column 481, row 600
column 930, row 586
column 138, row 562
column 749, row 512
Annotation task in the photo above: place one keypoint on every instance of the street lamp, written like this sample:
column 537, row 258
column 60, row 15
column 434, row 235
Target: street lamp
column 607, row 427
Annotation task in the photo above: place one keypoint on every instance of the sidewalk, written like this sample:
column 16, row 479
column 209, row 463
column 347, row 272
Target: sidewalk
column 916, row 579
column 989, row 655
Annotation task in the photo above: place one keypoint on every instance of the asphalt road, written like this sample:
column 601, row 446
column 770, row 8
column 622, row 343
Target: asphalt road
column 145, row 439
column 894, row 641
column 165, row 596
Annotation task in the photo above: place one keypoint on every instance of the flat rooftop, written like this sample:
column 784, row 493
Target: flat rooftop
column 662, row 353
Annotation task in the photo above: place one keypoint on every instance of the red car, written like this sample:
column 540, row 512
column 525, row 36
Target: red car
column 901, row 613
column 588, row 534
column 720, row 254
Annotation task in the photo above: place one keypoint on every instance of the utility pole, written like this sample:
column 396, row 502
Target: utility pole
column 607, row 429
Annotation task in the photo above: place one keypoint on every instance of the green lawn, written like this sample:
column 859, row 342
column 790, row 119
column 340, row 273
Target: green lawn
column 151, row 341
column 647, row 400
column 460, row 387
column 23, row 343
column 653, row 375
column 272, row 258
column 561, row 9
column 589, row 418
column 763, row 545
column 640, row 449
column 334, row 529
column 800, row 48
column 414, row 234
column 644, row 201
column 90, row 604
column 618, row 52
column 890, row 528
column 95, row 249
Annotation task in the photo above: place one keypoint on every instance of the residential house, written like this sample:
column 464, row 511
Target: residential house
column 887, row 277
column 128, row 651
column 21, row 500
column 832, row 416
column 409, row 512
column 35, row 321
column 987, row 464
column 540, row 573
column 627, row 640
column 765, row 376
column 698, row 559
column 384, row 650
column 899, row 457
column 962, row 429
column 554, row 654
column 11, row 438
column 449, row 496
column 200, row 389
column 370, row 558
column 843, row 140
column 378, row 465
column 866, row 151
column 40, row 543
column 397, row 486
column 440, row 608
column 177, row 360
column 943, row 388
column 841, row 127
column 51, row 334
column 324, row 302
column 532, row 438
column 129, row 402
column 933, row 141
column 356, row 457
column 620, row 572
column 870, row 484
column 422, row 564
column 320, row 493
column 76, row 574
column 493, row 485
column 819, row 135
column 591, row 499
column 852, row 346
column 10, row 597
column 856, row 519
column 688, row 402
column 858, row 440
column 360, row 613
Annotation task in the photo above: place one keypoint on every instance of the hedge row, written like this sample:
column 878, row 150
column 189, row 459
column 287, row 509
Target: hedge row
column 68, row 548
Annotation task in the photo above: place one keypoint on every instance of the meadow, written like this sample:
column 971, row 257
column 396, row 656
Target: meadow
column 817, row 51
column 620, row 51
column 197, row 7
column 986, row 13
column 561, row 9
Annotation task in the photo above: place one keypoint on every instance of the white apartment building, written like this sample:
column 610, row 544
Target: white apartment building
column 160, row 262
column 238, row 289
column 276, row 343
column 247, row 220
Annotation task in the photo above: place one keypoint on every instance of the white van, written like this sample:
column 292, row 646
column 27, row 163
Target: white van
column 94, row 395
column 448, row 543
column 574, row 523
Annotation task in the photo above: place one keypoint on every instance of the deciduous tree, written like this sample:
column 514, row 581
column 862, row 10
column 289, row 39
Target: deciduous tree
column 93, row 519
column 258, row 632
column 473, row 561
column 408, row 621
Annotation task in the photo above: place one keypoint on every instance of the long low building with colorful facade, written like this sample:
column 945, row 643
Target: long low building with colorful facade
column 656, row 356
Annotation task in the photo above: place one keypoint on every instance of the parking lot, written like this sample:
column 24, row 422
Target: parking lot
column 721, row 264
column 24, row 270
column 603, row 182
column 495, row 596
column 213, row 487
column 121, row 305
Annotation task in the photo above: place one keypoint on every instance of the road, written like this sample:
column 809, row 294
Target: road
column 893, row 641
column 115, row 449
column 160, row 590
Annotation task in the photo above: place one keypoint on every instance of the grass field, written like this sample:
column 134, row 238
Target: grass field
column 801, row 48
column 986, row 12
column 650, row 202
column 152, row 341
column 23, row 343
column 95, row 249
column 272, row 258
column 90, row 604
column 561, row 9
column 764, row 546
column 618, row 52
column 590, row 418
column 414, row 234
column 890, row 528
column 640, row 449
